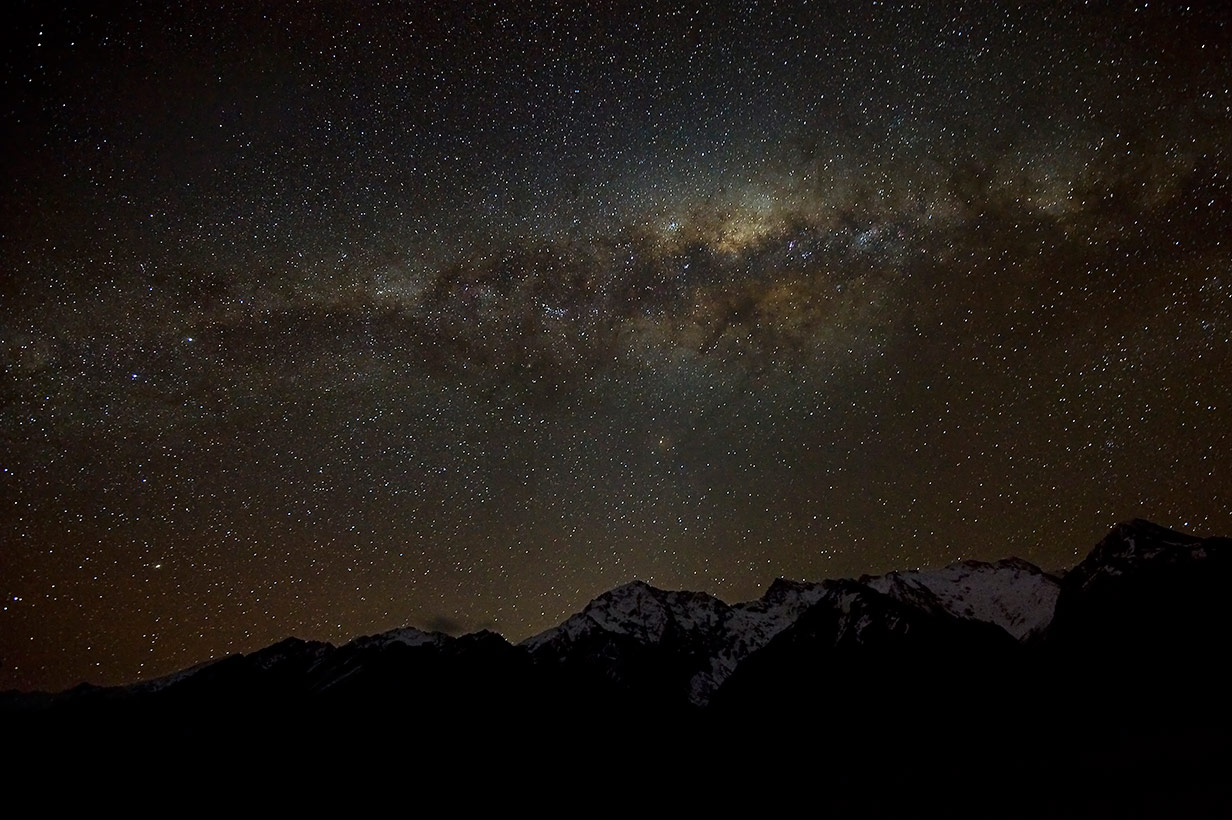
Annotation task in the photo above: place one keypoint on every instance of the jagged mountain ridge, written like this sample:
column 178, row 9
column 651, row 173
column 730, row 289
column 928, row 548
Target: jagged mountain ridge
column 1011, row 594
column 682, row 647
column 898, row 695
column 710, row 636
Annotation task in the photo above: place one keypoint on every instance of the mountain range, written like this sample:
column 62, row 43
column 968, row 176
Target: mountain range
column 1102, row 689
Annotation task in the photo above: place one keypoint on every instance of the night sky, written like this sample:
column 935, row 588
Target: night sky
column 328, row 318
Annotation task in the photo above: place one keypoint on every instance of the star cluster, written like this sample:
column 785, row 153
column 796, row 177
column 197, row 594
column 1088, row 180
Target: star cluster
column 326, row 318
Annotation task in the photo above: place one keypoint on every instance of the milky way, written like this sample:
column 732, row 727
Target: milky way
column 329, row 318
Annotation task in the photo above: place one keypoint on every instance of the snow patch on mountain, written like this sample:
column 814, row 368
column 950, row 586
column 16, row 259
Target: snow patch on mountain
column 639, row 611
column 648, row 614
column 405, row 636
column 1136, row 546
column 1014, row 594
column 718, row 634
column 749, row 626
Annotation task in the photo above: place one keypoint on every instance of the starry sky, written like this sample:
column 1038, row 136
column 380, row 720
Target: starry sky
column 327, row 318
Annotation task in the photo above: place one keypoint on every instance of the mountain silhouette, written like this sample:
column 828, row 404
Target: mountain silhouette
column 1102, row 691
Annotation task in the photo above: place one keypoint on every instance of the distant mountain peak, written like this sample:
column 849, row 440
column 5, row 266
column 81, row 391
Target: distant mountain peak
column 1138, row 546
column 288, row 650
column 636, row 610
column 404, row 636
column 1012, row 593
column 782, row 589
column 1129, row 534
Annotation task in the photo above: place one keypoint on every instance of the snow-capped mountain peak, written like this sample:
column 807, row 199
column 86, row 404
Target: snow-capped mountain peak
column 640, row 611
column 404, row 636
column 1014, row 594
column 647, row 613
column 1134, row 546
